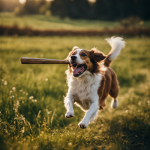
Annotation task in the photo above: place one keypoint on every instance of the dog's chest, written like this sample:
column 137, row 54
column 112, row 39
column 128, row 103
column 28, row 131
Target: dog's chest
column 83, row 90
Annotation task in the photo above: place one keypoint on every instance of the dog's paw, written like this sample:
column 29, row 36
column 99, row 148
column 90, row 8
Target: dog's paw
column 69, row 114
column 114, row 104
column 83, row 125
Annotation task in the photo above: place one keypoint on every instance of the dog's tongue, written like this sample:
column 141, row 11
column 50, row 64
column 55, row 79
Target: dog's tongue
column 76, row 70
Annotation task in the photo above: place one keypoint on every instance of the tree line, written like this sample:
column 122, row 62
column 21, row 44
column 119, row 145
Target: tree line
column 101, row 9
column 84, row 9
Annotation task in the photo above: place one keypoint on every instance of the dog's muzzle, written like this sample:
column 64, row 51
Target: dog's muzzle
column 73, row 58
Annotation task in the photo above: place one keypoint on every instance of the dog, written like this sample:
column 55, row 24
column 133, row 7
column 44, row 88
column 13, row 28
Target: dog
column 91, row 80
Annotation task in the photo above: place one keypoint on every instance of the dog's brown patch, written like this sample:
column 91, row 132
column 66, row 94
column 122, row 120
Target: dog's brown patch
column 109, row 85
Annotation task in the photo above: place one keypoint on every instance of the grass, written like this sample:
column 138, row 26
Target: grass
column 42, row 22
column 31, row 98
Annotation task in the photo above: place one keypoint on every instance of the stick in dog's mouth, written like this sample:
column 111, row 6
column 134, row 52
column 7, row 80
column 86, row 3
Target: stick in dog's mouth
column 28, row 60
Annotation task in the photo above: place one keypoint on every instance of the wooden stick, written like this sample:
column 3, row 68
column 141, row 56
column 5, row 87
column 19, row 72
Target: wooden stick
column 27, row 60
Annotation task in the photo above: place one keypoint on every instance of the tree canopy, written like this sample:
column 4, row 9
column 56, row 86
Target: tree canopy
column 101, row 9
column 84, row 9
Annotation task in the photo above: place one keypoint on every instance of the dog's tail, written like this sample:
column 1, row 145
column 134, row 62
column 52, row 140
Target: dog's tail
column 116, row 44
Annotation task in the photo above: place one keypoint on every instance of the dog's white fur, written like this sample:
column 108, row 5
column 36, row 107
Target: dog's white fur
column 83, row 90
column 114, row 104
column 116, row 44
column 79, row 60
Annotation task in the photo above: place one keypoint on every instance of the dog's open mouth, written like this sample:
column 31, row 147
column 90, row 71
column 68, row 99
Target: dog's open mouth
column 78, row 69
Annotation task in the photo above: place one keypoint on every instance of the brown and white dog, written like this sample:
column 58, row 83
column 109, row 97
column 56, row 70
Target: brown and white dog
column 90, row 80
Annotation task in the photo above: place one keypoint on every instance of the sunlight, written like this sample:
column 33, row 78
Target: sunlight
column 49, row 0
column 22, row 1
column 92, row 1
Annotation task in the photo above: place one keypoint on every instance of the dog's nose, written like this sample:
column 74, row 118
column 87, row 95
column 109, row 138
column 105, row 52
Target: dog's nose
column 73, row 58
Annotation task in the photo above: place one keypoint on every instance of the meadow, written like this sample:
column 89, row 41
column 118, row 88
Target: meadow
column 31, row 98
column 42, row 22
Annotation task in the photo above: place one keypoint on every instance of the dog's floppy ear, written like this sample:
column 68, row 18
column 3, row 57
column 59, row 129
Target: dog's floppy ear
column 73, row 49
column 98, row 56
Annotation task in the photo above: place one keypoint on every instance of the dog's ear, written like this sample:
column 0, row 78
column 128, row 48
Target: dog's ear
column 73, row 49
column 97, row 55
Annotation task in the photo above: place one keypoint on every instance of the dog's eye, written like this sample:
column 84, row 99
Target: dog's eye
column 83, row 54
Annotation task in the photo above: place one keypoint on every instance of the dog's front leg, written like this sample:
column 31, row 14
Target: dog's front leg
column 89, row 114
column 69, row 106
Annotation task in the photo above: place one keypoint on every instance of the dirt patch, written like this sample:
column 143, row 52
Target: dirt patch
column 27, row 31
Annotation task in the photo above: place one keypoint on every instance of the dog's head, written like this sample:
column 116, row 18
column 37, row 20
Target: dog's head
column 82, row 60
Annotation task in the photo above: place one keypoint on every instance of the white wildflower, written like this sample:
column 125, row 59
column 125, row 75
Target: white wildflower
column 31, row 97
column 69, row 144
column 46, row 79
column 34, row 100
column 22, row 131
column 14, row 88
column 48, row 112
column 18, row 103
column 5, row 82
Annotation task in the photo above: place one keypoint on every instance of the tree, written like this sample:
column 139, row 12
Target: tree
column 31, row 7
column 75, row 9
column 8, row 6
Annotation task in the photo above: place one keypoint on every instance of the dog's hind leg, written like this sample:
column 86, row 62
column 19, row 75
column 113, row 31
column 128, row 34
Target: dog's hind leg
column 114, row 103
column 114, row 92
column 102, row 102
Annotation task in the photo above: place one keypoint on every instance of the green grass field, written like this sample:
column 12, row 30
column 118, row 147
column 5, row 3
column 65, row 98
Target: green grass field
column 44, row 22
column 31, row 98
